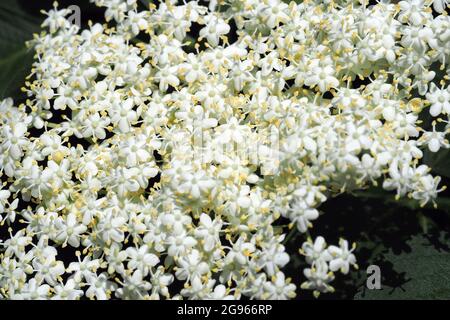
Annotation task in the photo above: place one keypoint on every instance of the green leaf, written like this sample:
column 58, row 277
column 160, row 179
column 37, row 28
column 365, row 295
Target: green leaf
column 421, row 273
column 16, row 27
column 13, row 71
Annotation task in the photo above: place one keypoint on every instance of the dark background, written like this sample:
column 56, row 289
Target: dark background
column 411, row 245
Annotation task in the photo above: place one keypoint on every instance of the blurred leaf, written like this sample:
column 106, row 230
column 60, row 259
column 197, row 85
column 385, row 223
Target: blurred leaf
column 16, row 27
column 13, row 71
column 422, row 273
column 146, row 3
column 439, row 161
column 442, row 203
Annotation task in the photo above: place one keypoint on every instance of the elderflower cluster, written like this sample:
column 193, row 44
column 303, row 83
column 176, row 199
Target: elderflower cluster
column 168, row 152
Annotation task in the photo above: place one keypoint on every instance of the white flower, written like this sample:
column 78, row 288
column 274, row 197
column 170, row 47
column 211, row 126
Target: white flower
column 315, row 251
column 191, row 265
column 412, row 11
column 195, row 184
column 274, row 12
column 94, row 126
column 33, row 290
column 56, row 19
column 134, row 287
column 208, row 230
column 279, row 288
column 220, row 293
column 100, row 287
column 160, row 282
column 194, row 155
column 180, row 243
column 240, row 74
column 167, row 76
column 137, row 21
column 141, row 259
column 322, row 77
column 434, row 139
column 84, row 269
column 16, row 244
column 14, row 139
column 440, row 5
column 110, row 227
column 4, row 196
column 68, row 291
column 302, row 215
column 231, row 132
column 52, row 144
column 123, row 115
column 318, row 279
column 210, row 94
column 49, row 269
column 193, row 69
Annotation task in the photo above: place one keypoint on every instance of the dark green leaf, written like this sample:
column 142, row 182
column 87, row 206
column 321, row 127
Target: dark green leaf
column 442, row 203
column 13, row 71
column 16, row 27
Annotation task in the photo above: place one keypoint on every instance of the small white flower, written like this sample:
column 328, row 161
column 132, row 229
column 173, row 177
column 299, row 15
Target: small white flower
column 68, row 291
column 322, row 77
column 100, row 287
column 318, row 279
column 141, row 259
column 315, row 251
column 439, row 99
column 435, row 140
column 342, row 257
